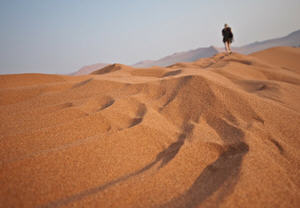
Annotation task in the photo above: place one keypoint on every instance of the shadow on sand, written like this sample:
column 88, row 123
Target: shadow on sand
column 221, row 175
column 164, row 157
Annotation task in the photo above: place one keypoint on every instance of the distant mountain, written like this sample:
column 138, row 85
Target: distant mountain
column 88, row 69
column 188, row 56
column 144, row 63
column 292, row 39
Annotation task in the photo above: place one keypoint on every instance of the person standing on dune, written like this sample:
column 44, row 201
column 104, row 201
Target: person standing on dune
column 227, row 38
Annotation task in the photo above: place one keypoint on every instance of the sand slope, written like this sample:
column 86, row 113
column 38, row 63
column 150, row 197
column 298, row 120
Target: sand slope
column 218, row 132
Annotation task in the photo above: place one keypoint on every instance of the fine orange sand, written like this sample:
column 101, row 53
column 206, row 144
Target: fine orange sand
column 219, row 132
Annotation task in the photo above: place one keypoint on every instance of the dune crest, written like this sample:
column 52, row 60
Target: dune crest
column 218, row 132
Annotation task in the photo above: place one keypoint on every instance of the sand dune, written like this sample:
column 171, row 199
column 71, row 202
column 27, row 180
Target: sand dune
column 285, row 57
column 218, row 132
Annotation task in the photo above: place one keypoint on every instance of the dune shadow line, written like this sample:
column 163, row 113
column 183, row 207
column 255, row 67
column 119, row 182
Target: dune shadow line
column 222, row 175
column 82, row 83
column 225, row 170
column 164, row 157
column 172, row 73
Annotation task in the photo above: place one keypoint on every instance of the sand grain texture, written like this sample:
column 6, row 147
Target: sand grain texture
column 218, row 132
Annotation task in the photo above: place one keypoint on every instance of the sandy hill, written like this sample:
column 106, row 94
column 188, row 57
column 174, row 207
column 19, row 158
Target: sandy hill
column 217, row 132
column 285, row 57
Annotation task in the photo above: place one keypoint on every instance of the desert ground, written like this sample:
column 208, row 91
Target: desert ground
column 218, row 132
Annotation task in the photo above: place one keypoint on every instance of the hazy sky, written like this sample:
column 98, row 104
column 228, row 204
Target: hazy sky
column 60, row 36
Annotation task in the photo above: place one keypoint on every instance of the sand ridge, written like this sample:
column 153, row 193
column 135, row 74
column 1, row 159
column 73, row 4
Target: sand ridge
column 218, row 132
